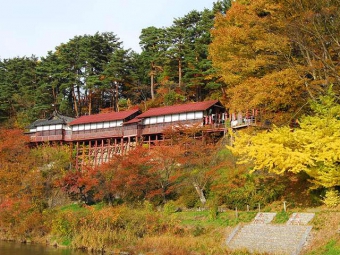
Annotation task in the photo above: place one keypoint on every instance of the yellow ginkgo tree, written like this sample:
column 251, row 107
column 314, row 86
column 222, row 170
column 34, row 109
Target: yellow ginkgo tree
column 313, row 147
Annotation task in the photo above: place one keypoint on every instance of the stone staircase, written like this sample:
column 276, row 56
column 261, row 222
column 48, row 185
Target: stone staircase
column 300, row 218
column 263, row 218
column 263, row 237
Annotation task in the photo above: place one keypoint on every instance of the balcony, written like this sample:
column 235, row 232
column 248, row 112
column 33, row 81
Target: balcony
column 97, row 134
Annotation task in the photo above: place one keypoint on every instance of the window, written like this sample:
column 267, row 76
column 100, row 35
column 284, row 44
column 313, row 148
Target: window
column 198, row 115
column 183, row 116
column 153, row 120
column 167, row 118
column 190, row 115
column 175, row 117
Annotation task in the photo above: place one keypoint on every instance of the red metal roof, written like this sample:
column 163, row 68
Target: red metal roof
column 101, row 117
column 191, row 107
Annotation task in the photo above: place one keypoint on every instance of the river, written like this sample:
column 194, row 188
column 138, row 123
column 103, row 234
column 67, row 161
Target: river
column 14, row 248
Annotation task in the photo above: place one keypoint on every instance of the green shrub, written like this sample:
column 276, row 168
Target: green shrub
column 169, row 207
column 198, row 230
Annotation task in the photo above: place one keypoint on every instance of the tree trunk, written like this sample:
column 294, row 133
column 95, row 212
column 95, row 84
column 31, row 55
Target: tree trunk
column 200, row 192
column 179, row 73
column 116, row 97
column 90, row 101
column 75, row 102
column 152, row 74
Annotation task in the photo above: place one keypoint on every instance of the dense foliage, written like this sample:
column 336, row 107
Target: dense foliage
column 277, row 56
column 266, row 54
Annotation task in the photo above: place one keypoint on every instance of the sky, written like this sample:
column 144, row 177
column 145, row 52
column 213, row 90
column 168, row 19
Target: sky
column 34, row 27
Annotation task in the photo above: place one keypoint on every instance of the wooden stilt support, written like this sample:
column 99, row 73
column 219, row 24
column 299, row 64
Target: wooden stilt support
column 95, row 152
column 102, row 151
column 83, row 156
column 121, row 150
column 89, row 153
column 77, row 155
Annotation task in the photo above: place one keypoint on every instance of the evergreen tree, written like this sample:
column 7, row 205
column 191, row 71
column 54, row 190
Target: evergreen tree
column 19, row 90
column 153, row 43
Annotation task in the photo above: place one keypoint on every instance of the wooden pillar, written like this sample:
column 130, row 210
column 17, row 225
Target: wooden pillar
column 115, row 146
column 77, row 155
column 122, row 146
column 95, row 152
column 83, row 156
column 89, row 153
column 102, row 156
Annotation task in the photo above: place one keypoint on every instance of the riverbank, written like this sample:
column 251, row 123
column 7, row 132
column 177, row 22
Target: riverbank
column 143, row 230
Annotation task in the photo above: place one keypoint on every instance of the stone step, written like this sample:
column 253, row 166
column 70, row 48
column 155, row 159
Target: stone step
column 272, row 239
column 300, row 218
column 263, row 218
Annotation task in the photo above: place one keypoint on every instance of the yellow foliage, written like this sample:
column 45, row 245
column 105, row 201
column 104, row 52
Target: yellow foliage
column 332, row 198
column 313, row 148
column 254, row 57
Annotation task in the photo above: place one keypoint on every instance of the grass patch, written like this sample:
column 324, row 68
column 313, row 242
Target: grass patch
column 66, row 241
column 73, row 208
column 331, row 248
column 223, row 219
column 99, row 206
column 281, row 217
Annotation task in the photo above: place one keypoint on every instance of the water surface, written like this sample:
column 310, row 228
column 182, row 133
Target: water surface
column 14, row 248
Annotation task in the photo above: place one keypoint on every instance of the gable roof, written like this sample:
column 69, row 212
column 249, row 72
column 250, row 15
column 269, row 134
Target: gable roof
column 133, row 121
column 190, row 107
column 55, row 119
column 101, row 117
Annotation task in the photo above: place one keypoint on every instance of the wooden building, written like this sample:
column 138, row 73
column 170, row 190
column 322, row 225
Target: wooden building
column 210, row 115
column 97, row 138
column 53, row 129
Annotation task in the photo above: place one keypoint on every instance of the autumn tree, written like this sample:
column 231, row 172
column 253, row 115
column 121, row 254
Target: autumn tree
column 51, row 162
column 312, row 148
column 196, row 156
column 313, row 27
column 21, row 186
column 15, row 163
column 256, row 59
column 128, row 177
column 80, row 185
column 167, row 171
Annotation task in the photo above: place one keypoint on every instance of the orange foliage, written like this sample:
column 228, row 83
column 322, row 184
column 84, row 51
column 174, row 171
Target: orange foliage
column 15, row 162
column 253, row 55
